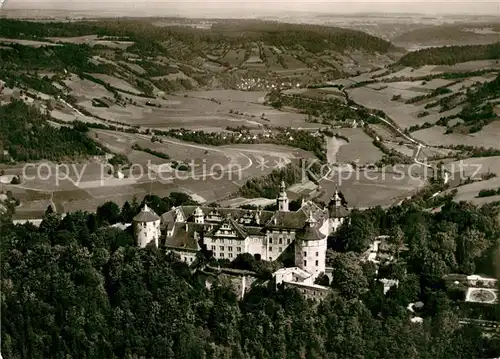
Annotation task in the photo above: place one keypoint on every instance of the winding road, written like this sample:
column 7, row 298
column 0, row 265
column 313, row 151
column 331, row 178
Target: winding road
column 419, row 145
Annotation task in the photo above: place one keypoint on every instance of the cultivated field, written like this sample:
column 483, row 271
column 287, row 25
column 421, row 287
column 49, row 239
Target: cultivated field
column 215, row 173
column 31, row 43
column 404, row 115
column 93, row 40
column 369, row 189
column 469, row 192
column 117, row 83
column 488, row 137
column 360, row 148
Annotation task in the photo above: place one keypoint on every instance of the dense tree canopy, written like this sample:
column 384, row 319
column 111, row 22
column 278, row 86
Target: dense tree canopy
column 450, row 55
column 74, row 288
column 27, row 136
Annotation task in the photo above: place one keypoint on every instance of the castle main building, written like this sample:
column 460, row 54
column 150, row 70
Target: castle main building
column 266, row 235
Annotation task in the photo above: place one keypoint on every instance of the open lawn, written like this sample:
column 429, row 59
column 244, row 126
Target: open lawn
column 234, row 57
column 369, row 189
column 410, row 72
column 469, row 192
column 360, row 147
column 117, row 83
column 488, row 137
column 215, row 173
column 83, row 89
column 228, row 95
column 475, row 167
column 404, row 115
column 31, row 43
column 210, row 111
column 93, row 40
column 470, row 66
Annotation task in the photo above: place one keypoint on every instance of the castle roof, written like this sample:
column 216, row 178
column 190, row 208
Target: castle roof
column 310, row 233
column 146, row 215
column 235, row 213
column 184, row 238
column 296, row 220
column 244, row 220
column 337, row 207
column 338, row 211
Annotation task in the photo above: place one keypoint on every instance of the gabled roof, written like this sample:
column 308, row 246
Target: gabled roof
column 239, row 229
column 184, row 239
column 267, row 219
column 146, row 215
column 235, row 213
column 296, row 220
column 338, row 211
column 337, row 207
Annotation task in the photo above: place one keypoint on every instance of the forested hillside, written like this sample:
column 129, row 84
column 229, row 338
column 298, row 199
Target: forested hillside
column 72, row 289
column 27, row 136
column 450, row 55
column 314, row 38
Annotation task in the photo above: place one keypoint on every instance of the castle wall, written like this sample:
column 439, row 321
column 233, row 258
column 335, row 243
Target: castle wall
column 256, row 245
column 314, row 292
column 278, row 241
column 187, row 257
column 335, row 223
column 225, row 247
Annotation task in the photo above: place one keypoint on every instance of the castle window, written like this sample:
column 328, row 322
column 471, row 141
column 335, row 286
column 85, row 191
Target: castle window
column 270, row 241
column 221, row 255
column 280, row 249
column 305, row 254
column 214, row 248
column 230, row 249
column 238, row 249
column 317, row 254
column 270, row 258
column 221, row 248
column 280, row 241
column 288, row 241
column 317, row 263
column 270, row 249
column 230, row 255
column 305, row 263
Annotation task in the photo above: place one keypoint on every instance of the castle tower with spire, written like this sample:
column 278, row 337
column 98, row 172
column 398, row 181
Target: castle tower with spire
column 310, row 248
column 147, row 227
column 337, row 211
column 282, row 199
column 199, row 216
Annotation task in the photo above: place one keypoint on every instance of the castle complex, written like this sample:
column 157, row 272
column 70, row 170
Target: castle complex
column 266, row 235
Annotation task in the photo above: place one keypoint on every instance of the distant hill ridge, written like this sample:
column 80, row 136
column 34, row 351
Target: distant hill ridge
column 452, row 34
column 313, row 38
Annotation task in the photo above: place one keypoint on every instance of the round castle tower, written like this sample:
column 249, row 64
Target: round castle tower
column 310, row 248
column 147, row 227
